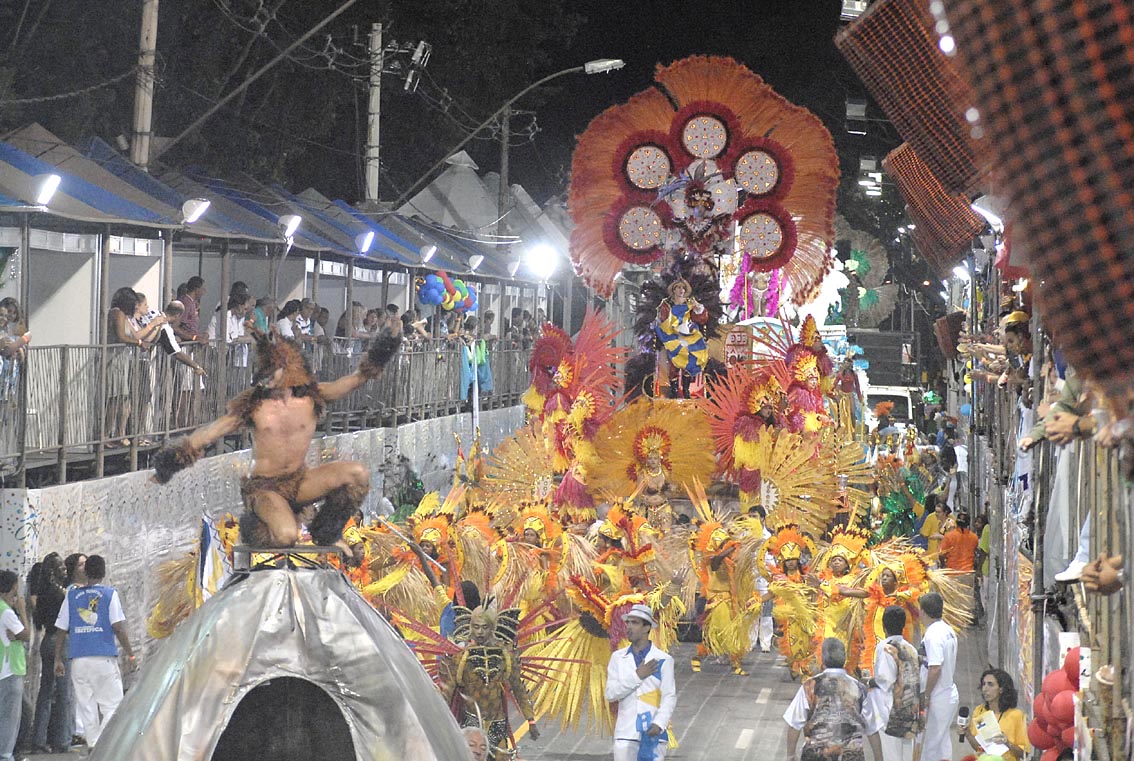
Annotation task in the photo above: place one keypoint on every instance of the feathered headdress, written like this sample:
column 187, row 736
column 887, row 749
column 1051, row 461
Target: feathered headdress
column 806, row 366
column 539, row 520
column 710, row 144
column 883, row 409
column 673, row 430
column 436, row 531
column 848, row 543
column 788, row 543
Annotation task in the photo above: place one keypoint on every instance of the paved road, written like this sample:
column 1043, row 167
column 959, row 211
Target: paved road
column 724, row 717
column 719, row 714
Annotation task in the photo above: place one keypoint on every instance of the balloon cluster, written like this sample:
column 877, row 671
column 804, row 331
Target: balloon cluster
column 437, row 289
column 1053, row 728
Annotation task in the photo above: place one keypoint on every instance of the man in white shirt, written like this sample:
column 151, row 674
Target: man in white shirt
column 640, row 680
column 833, row 712
column 940, row 695
column 895, row 689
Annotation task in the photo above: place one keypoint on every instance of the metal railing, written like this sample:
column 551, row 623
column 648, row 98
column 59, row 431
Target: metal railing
column 94, row 409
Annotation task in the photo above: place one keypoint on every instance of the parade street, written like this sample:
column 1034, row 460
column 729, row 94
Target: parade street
column 725, row 717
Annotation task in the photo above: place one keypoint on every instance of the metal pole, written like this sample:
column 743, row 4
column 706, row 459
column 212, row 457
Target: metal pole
column 103, row 309
column 222, row 331
column 315, row 276
column 167, row 269
column 144, row 89
column 350, row 297
column 373, row 114
column 25, row 293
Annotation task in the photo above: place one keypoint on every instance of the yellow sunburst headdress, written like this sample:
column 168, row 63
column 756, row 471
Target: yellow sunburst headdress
column 672, row 429
column 805, row 366
column 434, row 530
column 539, row 520
column 847, row 543
column 808, row 331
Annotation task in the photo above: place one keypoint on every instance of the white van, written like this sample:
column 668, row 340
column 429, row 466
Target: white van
column 903, row 398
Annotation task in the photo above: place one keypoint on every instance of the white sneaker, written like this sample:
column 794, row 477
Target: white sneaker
column 1072, row 572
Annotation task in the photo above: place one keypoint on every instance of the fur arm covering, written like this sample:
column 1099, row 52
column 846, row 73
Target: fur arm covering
column 172, row 459
column 382, row 350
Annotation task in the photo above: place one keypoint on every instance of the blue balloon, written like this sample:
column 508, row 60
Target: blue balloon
column 966, row 409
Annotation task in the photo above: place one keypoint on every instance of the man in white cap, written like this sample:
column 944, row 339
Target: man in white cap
column 640, row 680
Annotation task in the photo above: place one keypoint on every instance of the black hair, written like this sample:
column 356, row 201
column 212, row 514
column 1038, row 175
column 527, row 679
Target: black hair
column 289, row 309
column 471, row 594
column 392, row 309
column 893, row 620
column 930, row 602
column 125, row 300
column 96, row 568
column 8, row 580
column 71, row 565
column 194, row 283
column 1008, row 695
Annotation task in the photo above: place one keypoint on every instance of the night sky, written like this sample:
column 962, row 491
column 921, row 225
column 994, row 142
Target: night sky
column 787, row 42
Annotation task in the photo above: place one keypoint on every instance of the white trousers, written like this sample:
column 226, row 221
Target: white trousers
column 936, row 742
column 896, row 748
column 98, row 691
column 627, row 750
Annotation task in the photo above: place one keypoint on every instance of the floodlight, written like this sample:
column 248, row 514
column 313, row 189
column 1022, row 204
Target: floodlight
column 193, row 209
column 961, row 272
column 603, row 65
column 289, row 223
column 514, row 267
column 48, row 184
column 364, row 241
column 475, row 261
column 427, row 252
column 980, row 206
column 542, row 261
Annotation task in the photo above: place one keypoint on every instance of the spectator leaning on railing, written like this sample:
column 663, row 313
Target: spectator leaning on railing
column 190, row 294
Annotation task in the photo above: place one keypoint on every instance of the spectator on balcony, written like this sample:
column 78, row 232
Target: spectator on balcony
column 413, row 328
column 391, row 324
column 17, row 325
column 304, row 323
column 146, row 323
column 189, row 378
column 264, row 315
column 190, row 294
column 119, row 363
column 350, row 320
column 474, row 359
column 285, row 325
column 486, row 326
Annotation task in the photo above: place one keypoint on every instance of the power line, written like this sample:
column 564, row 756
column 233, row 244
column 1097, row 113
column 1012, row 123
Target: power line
column 72, row 94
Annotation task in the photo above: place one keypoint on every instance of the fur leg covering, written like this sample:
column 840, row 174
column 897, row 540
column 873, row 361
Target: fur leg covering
column 338, row 507
column 172, row 459
column 382, row 350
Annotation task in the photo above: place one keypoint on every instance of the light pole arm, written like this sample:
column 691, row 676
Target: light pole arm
column 407, row 194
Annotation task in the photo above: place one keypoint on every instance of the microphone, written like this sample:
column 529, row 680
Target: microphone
column 962, row 722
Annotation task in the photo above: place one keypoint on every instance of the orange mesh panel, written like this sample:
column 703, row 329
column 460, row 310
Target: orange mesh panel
column 893, row 49
column 944, row 224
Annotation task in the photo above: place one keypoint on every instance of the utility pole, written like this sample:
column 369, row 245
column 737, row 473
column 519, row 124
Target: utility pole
column 373, row 113
column 144, row 89
column 502, row 197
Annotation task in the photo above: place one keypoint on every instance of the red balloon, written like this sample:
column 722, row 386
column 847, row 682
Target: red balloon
column 1055, row 683
column 1038, row 738
column 1068, row 737
column 1051, row 755
column 1039, row 709
column 1071, row 666
column 1062, row 708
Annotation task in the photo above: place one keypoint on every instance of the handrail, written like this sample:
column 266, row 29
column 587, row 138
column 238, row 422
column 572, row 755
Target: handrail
column 75, row 424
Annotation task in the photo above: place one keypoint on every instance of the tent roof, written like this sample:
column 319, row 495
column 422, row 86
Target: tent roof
column 308, row 624
column 77, row 198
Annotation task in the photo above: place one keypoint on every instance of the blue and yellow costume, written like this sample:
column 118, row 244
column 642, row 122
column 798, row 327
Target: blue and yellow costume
column 679, row 329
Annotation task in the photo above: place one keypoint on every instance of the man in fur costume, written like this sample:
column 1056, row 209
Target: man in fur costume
column 283, row 408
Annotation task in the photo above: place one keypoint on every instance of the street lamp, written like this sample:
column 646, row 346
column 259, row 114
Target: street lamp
column 193, row 209
column 47, row 185
column 598, row 66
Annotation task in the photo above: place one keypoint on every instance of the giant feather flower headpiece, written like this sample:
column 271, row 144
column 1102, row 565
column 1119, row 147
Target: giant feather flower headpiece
column 710, row 149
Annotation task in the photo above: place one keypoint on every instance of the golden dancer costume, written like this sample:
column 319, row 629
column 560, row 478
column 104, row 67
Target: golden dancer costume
column 795, row 611
column 838, row 565
column 647, row 446
column 573, row 393
column 727, row 617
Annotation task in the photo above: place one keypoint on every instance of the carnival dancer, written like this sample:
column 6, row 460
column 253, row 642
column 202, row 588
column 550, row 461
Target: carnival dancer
column 679, row 324
column 640, row 680
column 478, row 680
column 282, row 409
column 794, row 612
column 838, row 564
